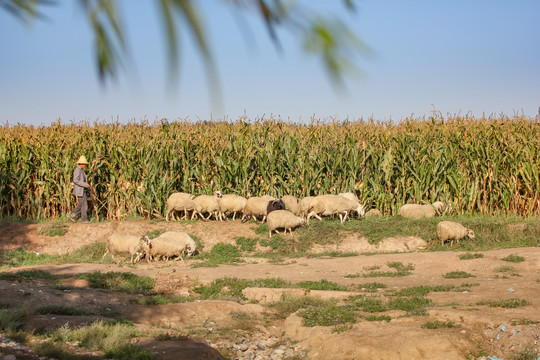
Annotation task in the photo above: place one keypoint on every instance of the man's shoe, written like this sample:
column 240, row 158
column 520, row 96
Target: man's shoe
column 72, row 217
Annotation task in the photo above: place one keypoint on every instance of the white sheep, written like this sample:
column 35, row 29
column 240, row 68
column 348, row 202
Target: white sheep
column 451, row 230
column 352, row 196
column 305, row 206
column 179, row 201
column 172, row 243
column 292, row 203
column 207, row 204
column 136, row 246
column 373, row 213
column 258, row 207
column 326, row 205
column 231, row 203
column 284, row 219
column 418, row 211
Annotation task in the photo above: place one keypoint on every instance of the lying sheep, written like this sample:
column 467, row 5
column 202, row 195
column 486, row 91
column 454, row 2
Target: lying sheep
column 450, row 230
column 207, row 204
column 258, row 207
column 171, row 244
column 418, row 211
column 136, row 246
column 283, row 219
column 231, row 203
column 325, row 205
column 179, row 201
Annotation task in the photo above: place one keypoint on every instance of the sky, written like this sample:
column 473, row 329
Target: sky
column 459, row 57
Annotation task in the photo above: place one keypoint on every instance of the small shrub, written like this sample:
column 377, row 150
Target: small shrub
column 469, row 256
column 527, row 353
column 320, row 285
column 221, row 254
column 505, row 268
column 413, row 305
column 457, row 275
column 505, row 303
column 369, row 304
column 514, row 258
column 291, row 304
column 161, row 300
column 439, row 324
column 378, row 318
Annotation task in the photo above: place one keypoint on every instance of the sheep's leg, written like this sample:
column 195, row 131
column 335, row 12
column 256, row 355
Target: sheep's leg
column 106, row 252
column 233, row 215
column 270, row 233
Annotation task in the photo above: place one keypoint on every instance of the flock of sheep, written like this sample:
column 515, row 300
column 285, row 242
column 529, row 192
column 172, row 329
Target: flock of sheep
column 285, row 213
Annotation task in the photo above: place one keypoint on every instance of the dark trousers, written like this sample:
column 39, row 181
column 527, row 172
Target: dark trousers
column 82, row 208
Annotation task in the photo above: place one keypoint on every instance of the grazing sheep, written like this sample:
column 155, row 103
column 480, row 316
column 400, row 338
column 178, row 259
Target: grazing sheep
column 285, row 219
column 136, row 246
column 450, row 230
column 326, row 205
column 170, row 244
column 257, row 207
column 439, row 206
column 207, row 204
column 231, row 203
column 179, row 201
column 351, row 196
column 292, row 203
column 417, row 211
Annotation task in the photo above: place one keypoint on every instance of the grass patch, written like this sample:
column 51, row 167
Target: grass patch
column 246, row 244
column 368, row 304
column 505, row 303
column 161, row 300
column 457, row 275
column 25, row 275
column 55, row 229
column 114, row 339
column 60, row 310
column 327, row 314
column 470, row 256
column 514, row 258
column 290, row 304
column 439, row 324
column 526, row 353
column 401, row 270
column 516, row 322
column 413, row 305
column 90, row 253
column 505, row 268
column 370, row 287
column 320, row 285
column 378, row 318
column 220, row 254
column 122, row 282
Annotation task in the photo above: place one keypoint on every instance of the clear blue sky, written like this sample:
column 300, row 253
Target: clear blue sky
column 458, row 57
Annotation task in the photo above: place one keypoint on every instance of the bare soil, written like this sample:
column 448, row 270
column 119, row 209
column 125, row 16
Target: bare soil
column 479, row 328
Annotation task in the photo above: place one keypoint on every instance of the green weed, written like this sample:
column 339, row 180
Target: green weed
column 457, row 275
column 469, row 256
column 505, row 303
column 439, row 324
column 514, row 258
column 327, row 315
column 54, row 229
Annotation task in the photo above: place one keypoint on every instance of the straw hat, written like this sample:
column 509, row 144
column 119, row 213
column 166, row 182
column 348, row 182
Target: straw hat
column 82, row 160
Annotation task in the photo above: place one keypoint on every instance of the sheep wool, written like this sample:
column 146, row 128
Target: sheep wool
column 292, row 204
column 136, row 246
column 451, row 230
column 231, row 203
column 417, row 211
column 172, row 243
column 283, row 219
column 179, row 201
column 207, row 204
column 326, row 205
column 256, row 207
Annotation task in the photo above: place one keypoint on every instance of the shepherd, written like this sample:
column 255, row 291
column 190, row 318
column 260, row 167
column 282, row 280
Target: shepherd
column 81, row 189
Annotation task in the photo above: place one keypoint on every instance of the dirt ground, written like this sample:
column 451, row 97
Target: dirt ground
column 480, row 330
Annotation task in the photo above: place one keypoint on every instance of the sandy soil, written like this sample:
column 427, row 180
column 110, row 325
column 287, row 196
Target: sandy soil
column 402, row 338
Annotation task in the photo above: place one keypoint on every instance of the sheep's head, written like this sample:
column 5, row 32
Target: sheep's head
column 360, row 210
column 470, row 233
column 217, row 194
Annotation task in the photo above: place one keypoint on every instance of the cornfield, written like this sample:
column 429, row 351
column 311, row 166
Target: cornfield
column 478, row 166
